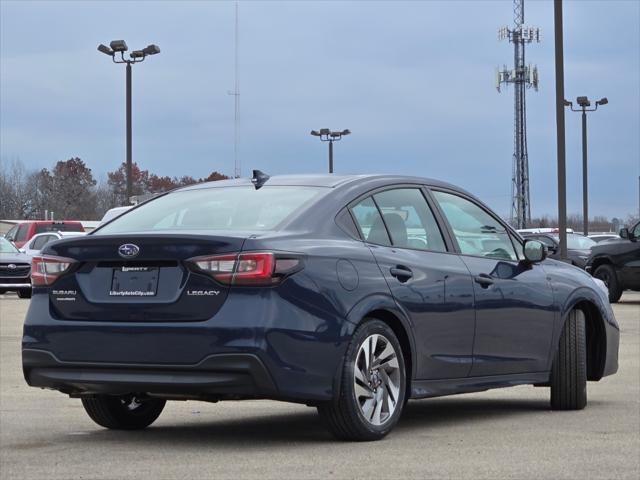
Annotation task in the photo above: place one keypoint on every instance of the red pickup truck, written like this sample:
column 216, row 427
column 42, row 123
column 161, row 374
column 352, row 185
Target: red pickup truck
column 24, row 231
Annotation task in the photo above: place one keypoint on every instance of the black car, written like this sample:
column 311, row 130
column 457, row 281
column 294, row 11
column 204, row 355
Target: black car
column 351, row 294
column 578, row 246
column 617, row 262
column 15, row 270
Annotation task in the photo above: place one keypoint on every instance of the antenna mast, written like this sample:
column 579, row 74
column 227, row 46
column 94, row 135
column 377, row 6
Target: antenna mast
column 237, row 168
column 523, row 77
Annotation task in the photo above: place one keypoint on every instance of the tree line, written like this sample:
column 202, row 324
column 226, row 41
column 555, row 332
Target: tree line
column 71, row 191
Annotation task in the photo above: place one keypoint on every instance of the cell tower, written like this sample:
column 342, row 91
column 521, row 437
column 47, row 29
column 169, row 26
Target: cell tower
column 523, row 77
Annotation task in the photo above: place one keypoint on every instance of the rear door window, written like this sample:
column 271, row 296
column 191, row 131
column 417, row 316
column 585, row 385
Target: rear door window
column 409, row 219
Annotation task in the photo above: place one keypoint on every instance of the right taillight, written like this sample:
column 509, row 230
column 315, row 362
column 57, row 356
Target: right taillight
column 251, row 268
column 46, row 269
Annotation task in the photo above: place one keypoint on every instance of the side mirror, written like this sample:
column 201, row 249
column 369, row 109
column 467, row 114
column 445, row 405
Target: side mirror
column 624, row 233
column 534, row 251
column 22, row 250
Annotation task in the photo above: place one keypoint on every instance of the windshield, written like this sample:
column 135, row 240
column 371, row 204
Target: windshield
column 6, row 246
column 577, row 242
column 222, row 208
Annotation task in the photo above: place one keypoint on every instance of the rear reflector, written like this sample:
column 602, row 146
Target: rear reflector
column 252, row 268
column 47, row 269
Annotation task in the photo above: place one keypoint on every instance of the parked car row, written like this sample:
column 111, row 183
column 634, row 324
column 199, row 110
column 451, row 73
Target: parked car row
column 25, row 231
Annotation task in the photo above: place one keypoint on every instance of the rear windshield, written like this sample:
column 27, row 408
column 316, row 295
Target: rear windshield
column 59, row 227
column 223, row 208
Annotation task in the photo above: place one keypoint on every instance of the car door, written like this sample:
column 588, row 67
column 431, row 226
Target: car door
column 514, row 303
column 430, row 284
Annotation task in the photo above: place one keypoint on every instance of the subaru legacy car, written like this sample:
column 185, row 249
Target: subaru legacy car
column 351, row 294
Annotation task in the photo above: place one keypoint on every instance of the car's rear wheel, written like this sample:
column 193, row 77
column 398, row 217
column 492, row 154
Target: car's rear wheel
column 373, row 386
column 25, row 293
column 126, row 412
column 569, row 370
column 607, row 274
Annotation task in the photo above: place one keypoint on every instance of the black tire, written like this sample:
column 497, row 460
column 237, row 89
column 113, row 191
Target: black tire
column 123, row 412
column 344, row 416
column 24, row 293
column 607, row 274
column 569, row 370
column 2, row 292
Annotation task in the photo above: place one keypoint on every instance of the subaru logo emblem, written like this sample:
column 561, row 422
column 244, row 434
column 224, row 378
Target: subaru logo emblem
column 12, row 266
column 128, row 250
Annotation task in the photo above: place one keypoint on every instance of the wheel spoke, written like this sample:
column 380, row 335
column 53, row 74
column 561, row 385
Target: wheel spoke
column 365, row 353
column 390, row 386
column 363, row 391
column 372, row 350
column 368, row 408
column 387, row 358
column 376, row 413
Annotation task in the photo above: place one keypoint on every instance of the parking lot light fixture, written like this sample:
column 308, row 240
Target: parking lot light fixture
column 136, row 56
column 327, row 135
column 584, row 103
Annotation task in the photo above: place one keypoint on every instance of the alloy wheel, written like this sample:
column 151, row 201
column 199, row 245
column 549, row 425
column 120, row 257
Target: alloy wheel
column 376, row 379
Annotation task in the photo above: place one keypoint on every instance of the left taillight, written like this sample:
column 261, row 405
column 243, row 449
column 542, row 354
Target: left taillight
column 251, row 268
column 47, row 269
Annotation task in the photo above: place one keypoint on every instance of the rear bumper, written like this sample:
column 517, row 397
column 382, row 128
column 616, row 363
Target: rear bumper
column 215, row 377
column 15, row 286
column 260, row 344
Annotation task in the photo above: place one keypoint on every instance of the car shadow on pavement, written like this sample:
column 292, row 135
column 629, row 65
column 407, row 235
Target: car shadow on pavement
column 304, row 427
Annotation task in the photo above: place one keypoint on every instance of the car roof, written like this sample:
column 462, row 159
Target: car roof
column 321, row 180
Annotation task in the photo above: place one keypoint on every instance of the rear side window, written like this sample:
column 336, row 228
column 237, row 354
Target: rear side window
column 40, row 242
column 218, row 208
column 370, row 222
column 409, row 219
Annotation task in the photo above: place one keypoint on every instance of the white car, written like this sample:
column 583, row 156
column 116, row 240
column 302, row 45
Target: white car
column 113, row 213
column 38, row 242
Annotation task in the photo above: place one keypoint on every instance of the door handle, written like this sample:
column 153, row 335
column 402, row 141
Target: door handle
column 401, row 272
column 484, row 280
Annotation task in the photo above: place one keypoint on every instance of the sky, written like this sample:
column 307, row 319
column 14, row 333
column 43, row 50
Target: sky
column 414, row 81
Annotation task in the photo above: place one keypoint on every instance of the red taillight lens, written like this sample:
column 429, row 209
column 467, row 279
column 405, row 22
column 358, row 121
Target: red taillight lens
column 253, row 268
column 46, row 270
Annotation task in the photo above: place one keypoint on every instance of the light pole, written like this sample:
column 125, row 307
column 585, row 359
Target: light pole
column 584, row 103
column 327, row 135
column 137, row 56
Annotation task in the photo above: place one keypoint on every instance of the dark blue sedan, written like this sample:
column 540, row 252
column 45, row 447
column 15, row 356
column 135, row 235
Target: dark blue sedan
column 348, row 293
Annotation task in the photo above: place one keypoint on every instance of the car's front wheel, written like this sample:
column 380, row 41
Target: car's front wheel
column 126, row 412
column 569, row 370
column 607, row 274
column 373, row 386
column 25, row 293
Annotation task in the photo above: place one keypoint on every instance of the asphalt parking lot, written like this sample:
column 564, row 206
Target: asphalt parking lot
column 508, row 433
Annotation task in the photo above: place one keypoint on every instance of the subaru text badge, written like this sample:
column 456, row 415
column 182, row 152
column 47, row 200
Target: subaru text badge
column 128, row 250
